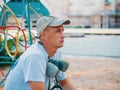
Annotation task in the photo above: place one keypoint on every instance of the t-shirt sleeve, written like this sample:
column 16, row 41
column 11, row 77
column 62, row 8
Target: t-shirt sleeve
column 34, row 68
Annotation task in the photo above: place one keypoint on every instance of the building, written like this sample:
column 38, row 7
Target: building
column 92, row 13
column 88, row 13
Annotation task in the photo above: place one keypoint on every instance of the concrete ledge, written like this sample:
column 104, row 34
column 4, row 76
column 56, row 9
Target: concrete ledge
column 92, row 31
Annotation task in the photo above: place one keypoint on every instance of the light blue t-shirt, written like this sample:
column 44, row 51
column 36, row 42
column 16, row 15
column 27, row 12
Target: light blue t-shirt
column 32, row 66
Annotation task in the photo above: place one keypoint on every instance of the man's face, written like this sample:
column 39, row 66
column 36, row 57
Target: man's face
column 55, row 36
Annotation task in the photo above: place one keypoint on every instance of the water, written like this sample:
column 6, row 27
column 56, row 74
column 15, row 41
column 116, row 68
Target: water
column 93, row 46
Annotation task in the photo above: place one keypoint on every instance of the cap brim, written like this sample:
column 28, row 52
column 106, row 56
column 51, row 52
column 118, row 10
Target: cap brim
column 59, row 22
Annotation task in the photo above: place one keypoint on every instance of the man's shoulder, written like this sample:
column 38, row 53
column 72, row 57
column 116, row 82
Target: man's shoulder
column 34, row 50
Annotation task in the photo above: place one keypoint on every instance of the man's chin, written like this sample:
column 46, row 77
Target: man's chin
column 60, row 46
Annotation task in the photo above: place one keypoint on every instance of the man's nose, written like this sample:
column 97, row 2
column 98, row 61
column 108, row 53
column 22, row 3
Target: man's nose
column 62, row 35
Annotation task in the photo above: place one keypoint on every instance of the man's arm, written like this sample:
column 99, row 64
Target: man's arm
column 37, row 85
column 66, row 85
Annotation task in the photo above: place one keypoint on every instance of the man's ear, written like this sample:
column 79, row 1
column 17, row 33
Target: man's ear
column 44, row 35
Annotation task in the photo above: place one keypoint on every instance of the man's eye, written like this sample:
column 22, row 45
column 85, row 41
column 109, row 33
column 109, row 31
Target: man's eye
column 58, row 30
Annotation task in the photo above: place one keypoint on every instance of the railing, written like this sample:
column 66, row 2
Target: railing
column 13, row 39
column 13, row 42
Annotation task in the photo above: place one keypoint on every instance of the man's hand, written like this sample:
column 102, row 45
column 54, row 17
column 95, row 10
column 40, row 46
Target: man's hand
column 66, row 85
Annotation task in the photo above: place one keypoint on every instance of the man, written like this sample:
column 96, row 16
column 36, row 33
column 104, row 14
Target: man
column 30, row 71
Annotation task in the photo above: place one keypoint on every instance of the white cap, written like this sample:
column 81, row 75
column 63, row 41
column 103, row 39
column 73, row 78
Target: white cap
column 45, row 21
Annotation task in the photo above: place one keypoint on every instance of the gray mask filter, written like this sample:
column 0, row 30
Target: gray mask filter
column 61, row 64
column 52, row 70
column 54, row 66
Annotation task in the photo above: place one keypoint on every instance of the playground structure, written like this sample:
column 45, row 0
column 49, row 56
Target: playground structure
column 14, row 39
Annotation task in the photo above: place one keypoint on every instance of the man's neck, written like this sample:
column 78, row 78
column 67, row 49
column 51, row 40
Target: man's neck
column 50, row 50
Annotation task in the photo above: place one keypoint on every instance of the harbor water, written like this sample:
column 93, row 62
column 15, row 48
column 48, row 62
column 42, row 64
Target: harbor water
column 99, row 46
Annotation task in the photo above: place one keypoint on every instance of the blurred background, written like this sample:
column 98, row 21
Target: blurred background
column 88, row 14
column 83, row 14
column 92, row 40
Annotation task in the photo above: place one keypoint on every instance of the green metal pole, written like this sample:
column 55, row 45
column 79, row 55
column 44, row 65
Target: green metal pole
column 101, row 21
column 108, row 21
column 28, row 21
